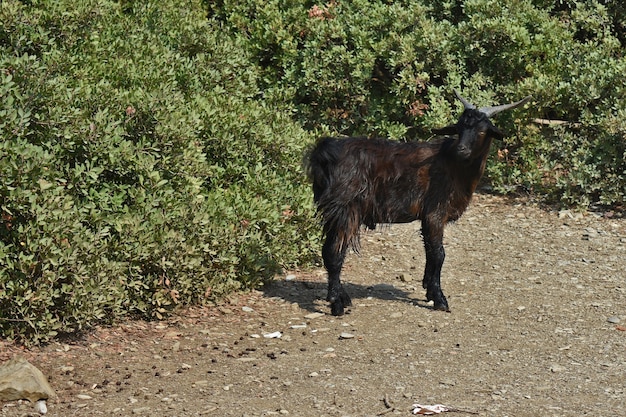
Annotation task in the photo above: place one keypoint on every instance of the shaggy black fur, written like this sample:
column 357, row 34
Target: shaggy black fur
column 360, row 181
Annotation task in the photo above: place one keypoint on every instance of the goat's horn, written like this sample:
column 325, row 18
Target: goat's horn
column 466, row 103
column 490, row 111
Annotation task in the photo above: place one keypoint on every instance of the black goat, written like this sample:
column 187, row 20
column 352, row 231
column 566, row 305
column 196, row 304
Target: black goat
column 360, row 181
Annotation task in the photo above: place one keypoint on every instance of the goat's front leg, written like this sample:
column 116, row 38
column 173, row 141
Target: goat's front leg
column 333, row 261
column 435, row 255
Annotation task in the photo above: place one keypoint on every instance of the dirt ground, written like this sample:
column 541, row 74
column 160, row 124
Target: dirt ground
column 537, row 328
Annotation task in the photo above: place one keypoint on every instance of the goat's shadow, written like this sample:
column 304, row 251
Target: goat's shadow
column 311, row 295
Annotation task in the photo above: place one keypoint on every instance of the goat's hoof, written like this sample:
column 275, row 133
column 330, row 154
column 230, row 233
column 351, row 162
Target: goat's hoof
column 337, row 309
column 441, row 307
column 440, row 302
column 337, row 306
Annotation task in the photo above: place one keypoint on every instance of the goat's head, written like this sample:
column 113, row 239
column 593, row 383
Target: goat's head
column 474, row 129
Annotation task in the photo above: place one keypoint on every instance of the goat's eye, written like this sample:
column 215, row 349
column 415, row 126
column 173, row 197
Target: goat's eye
column 482, row 134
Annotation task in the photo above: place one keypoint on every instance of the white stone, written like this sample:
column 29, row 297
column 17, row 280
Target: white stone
column 40, row 407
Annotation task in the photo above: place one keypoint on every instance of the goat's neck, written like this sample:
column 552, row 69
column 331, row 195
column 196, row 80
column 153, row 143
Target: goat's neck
column 471, row 174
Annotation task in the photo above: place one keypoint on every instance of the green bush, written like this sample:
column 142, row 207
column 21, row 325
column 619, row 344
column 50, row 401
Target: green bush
column 140, row 168
column 388, row 68
column 150, row 151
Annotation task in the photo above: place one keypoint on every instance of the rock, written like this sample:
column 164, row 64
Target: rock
column 346, row 335
column 557, row 368
column 21, row 380
column 225, row 310
column 613, row 320
column 290, row 277
column 40, row 407
column 314, row 316
column 404, row 278
column 448, row 382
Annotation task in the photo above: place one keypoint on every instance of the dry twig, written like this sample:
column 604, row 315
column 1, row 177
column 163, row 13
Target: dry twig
column 388, row 405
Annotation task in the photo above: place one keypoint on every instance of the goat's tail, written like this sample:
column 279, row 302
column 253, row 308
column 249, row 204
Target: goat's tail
column 319, row 162
column 342, row 220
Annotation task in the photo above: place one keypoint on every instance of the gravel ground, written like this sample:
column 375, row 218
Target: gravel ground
column 537, row 328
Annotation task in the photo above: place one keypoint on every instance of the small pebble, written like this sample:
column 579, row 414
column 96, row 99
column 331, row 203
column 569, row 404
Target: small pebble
column 556, row 369
column 290, row 277
column 613, row 320
column 314, row 315
column 40, row 407
column 346, row 335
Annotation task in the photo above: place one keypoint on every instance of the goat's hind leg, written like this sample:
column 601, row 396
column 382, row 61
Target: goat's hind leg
column 333, row 261
column 435, row 255
column 432, row 281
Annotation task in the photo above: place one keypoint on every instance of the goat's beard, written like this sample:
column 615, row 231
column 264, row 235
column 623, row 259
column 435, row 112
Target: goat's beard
column 464, row 158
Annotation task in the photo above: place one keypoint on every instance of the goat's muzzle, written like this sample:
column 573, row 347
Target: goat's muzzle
column 463, row 153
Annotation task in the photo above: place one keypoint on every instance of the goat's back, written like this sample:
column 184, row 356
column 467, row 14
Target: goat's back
column 352, row 165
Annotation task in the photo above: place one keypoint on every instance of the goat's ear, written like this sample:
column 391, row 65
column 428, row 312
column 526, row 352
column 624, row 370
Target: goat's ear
column 448, row 130
column 496, row 133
